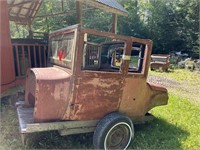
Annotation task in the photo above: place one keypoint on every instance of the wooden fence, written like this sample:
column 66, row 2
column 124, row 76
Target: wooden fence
column 29, row 56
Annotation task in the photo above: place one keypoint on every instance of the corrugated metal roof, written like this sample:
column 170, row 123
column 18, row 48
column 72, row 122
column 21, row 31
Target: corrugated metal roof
column 23, row 11
column 111, row 6
column 114, row 4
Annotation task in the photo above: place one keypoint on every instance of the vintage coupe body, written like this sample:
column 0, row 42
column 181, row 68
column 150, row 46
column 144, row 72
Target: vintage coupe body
column 160, row 62
column 96, row 81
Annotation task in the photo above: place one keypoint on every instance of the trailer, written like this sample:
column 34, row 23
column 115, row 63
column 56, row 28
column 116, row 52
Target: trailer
column 95, row 82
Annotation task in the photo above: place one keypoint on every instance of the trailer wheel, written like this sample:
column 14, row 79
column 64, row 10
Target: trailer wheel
column 114, row 131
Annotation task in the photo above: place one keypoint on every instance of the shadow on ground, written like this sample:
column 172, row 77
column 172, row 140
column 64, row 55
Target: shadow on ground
column 158, row 134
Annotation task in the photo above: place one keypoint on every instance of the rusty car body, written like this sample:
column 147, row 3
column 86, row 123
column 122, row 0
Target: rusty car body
column 90, row 75
column 160, row 62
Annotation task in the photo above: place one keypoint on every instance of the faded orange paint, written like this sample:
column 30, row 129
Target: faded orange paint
column 58, row 93
column 47, row 90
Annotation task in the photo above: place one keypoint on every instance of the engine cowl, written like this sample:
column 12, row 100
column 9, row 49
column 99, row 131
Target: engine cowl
column 47, row 90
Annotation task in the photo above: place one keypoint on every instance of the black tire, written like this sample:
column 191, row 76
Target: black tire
column 114, row 131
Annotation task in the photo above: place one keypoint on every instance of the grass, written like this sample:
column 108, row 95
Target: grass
column 176, row 125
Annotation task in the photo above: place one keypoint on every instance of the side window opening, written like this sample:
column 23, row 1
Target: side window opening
column 106, row 54
column 137, row 57
column 98, row 52
column 91, row 57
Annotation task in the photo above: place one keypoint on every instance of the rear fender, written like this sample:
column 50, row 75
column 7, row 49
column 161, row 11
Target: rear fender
column 158, row 95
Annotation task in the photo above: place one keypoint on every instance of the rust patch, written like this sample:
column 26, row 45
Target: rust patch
column 97, row 95
column 49, row 94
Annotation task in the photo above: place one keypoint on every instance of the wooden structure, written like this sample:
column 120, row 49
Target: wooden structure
column 7, row 64
column 21, row 56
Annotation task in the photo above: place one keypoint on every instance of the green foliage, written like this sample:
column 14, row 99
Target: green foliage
column 18, row 31
column 98, row 20
column 172, row 25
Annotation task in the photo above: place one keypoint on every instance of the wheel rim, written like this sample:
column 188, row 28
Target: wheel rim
column 118, row 137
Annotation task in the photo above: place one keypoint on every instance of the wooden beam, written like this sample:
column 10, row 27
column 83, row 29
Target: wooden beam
column 104, row 7
column 79, row 12
column 10, row 7
column 114, row 23
column 64, row 13
column 20, row 4
column 19, row 20
column 30, row 30
column 39, row 3
column 30, row 10
column 62, row 5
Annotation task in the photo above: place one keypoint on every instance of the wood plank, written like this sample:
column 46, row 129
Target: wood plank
column 30, row 13
column 116, row 36
column 45, row 59
column 17, row 56
column 62, row 5
column 79, row 12
column 114, row 23
column 34, row 51
column 17, row 20
column 39, row 127
column 29, row 57
column 20, row 3
column 39, row 3
column 24, row 61
column 64, row 13
column 76, row 131
column 40, row 58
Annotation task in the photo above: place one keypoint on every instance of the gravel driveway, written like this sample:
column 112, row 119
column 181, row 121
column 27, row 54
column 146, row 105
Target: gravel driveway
column 164, row 81
column 186, row 89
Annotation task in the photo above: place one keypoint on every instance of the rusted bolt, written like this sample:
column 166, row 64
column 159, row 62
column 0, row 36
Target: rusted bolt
column 71, row 106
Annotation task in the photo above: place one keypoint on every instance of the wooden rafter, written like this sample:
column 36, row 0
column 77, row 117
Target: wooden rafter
column 20, row 4
column 34, row 5
column 32, row 8
column 64, row 13
column 39, row 3
column 26, row 10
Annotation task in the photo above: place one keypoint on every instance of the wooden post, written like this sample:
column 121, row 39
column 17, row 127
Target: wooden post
column 62, row 5
column 7, row 71
column 79, row 12
column 114, row 23
column 30, row 31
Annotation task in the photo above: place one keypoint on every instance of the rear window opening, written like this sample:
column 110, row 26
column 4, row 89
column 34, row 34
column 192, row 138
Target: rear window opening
column 61, row 49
